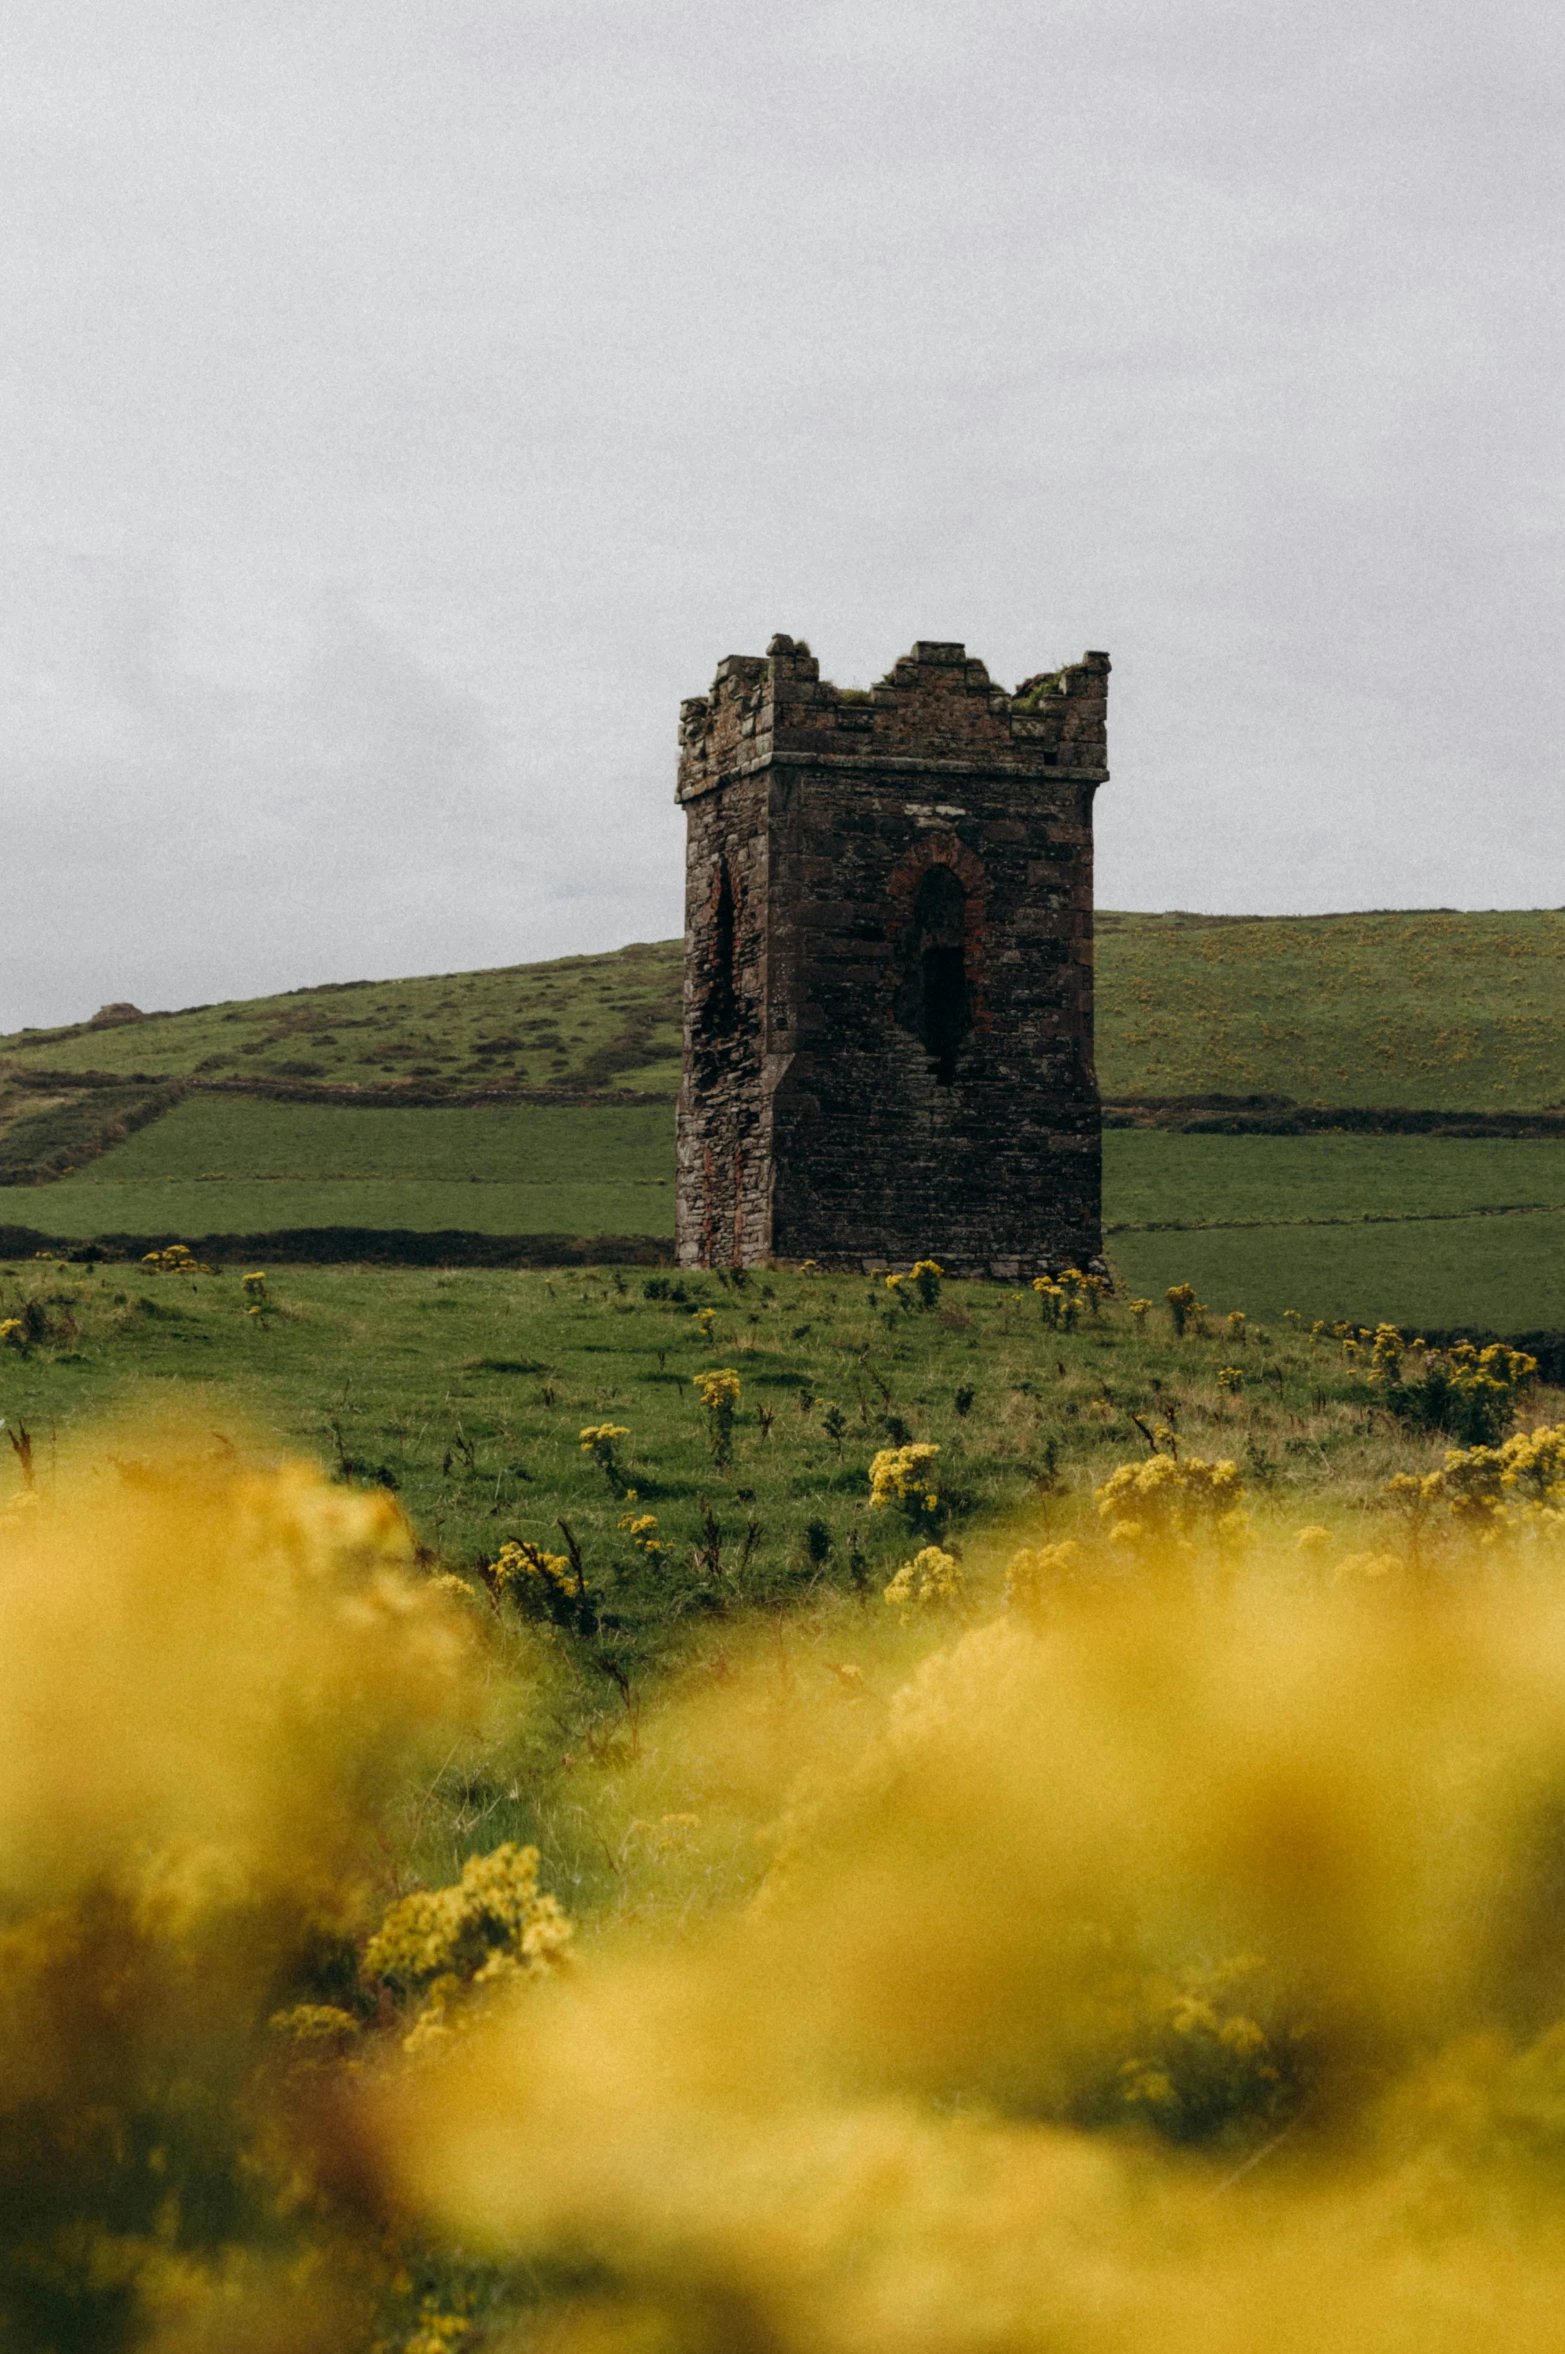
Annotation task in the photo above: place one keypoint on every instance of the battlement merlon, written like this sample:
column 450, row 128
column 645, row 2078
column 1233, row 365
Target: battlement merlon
column 937, row 711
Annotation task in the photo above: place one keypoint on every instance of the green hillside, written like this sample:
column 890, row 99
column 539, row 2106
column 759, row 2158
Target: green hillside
column 580, row 1023
column 1429, row 1010
column 1462, row 1011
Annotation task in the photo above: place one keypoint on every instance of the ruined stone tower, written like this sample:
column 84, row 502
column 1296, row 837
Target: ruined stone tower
column 888, row 966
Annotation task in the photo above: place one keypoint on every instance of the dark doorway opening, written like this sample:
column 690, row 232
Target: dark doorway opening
column 935, row 1002
column 721, row 1003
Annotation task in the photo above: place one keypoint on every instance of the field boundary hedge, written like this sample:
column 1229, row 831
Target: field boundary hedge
column 43, row 1146
column 370, row 1246
column 423, row 1094
column 1279, row 1115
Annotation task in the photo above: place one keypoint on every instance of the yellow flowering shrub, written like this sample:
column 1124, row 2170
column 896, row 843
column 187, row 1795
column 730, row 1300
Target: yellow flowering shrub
column 440, row 1946
column 904, row 1477
column 1184, row 1309
column 177, row 1259
column 1165, row 1497
column 1185, row 1977
column 218, row 1677
column 932, row 1580
column 1514, row 1488
column 924, row 1279
column 600, row 1440
column 1035, row 1575
column 720, row 1400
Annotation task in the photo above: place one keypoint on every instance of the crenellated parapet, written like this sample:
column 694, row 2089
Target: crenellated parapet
column 937, row 708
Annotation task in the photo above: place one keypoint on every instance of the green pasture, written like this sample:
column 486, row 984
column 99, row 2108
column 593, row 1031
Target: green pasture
column 1443, row 1231
column 1502, row 1274
column 1155, row 1176
column 1436, row 1009
column 466, row 1391
column 220, row 1164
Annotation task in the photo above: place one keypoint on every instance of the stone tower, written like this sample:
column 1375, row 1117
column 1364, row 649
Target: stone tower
column 888, row 966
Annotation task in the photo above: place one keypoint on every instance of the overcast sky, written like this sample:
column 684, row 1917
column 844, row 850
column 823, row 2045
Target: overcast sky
column 407, row 402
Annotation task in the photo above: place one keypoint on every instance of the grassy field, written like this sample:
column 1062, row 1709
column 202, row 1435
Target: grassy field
column 240, row 1165
column 467, row 1390
column 1330, row 1225
column 1435, row 1009
column 271, row 1765
column 1449, row 1232
column 1461, row 1011
column 1158, row 1177
column 1481, row 1275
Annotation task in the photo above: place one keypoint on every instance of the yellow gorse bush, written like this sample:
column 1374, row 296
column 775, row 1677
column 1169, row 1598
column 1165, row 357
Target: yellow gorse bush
column 904, row 1476
column 444, row 1945
column 216, row 1676
column 719, row 1392
column 1514, row 1489
column 1165, row 1497
column 176, row 1259
column 525, row 1571
column 932, row 1580
column 1182, row 1975
column 1036, row 1575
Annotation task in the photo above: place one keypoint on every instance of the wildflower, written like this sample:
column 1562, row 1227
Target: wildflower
column 1185, row 1310
column 703, row 1320
column 520, row 1569
column 1138, row 1310
column 1516, row 1487
column 1312, row 1538
column 642, row 1529
column 1032, row 1577
column 1230, row 1378
column 257, row 1298
column 1354, row 1566
column 1057, row 1302
column 720, row 1397
column 925, row 1280
column 932, row 1580
column 904, row 1476
column 177, row 1259
column 1468, row 1391
column 13, row 1333
column 599, row 1440
column 1236, row 1324
column 316, row 2030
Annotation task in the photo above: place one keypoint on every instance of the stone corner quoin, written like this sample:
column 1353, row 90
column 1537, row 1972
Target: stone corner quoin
column 888, row 965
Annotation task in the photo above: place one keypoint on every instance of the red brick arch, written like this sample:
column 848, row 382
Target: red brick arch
column 902, row 890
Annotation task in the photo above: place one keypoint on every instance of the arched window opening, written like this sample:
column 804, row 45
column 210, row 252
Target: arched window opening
column 936, row 1004
column 722, row 996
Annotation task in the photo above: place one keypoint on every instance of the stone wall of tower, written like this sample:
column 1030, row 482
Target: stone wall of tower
column 888, row 1017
